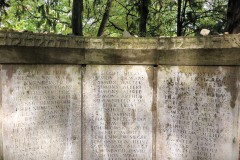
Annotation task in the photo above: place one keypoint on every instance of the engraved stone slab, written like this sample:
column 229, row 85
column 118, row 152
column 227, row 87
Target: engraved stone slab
column 42, row 112
column 197, row 113
column 117, row 112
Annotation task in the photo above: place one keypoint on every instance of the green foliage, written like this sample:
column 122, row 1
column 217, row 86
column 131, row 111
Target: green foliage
column 51, row 16
column 54, row 16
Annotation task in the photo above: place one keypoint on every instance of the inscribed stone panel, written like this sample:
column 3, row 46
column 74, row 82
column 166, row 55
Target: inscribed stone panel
column 42, row 112
column 117, row 112
column 197, row 113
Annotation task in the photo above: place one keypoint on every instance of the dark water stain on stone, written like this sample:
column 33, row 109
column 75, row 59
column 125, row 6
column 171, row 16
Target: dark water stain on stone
column 107, row 120
column 231, row 83
column 10, row 70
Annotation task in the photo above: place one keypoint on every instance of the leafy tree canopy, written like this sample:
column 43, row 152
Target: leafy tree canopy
column 164, row 17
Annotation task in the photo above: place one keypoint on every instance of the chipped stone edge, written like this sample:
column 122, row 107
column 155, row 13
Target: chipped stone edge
column 160, row 43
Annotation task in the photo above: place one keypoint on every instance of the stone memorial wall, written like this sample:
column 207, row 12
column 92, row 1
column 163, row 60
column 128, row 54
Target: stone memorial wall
column 74, row 98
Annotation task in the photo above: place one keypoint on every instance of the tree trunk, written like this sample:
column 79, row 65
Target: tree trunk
column 179, row 18
column 143, row 11
column 77, row 17
column 105, row 18
column 233, row 17
column 3, row 4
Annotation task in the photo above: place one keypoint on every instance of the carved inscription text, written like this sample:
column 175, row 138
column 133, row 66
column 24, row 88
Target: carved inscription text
column 42, row 112
column 197, row 114
column 118, row 117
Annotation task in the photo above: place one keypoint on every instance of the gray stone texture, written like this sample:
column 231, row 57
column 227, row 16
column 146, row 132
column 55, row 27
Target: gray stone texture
column 41, row 112
column 161, row 43
column 197, row 107
column 197, row 112
column 51, row 49
column 117, row 112
column 1, row 117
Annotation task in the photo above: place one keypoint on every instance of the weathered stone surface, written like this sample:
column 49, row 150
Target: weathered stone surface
column 41, row 112
column 117, row 112
column 48, row 48
column 123, row 56
column 31, row 55
column 1, row 138
column 51, row 40
column 202, row 57
column 197, row 113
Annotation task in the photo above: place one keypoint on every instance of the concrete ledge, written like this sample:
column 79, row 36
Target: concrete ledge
column 57, row 49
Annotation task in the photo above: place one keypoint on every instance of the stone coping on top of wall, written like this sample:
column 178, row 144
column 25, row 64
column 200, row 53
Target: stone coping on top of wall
column 26, row 47
column 161, row 43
